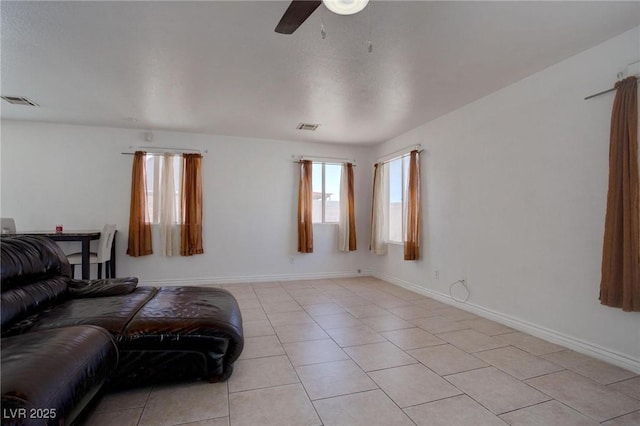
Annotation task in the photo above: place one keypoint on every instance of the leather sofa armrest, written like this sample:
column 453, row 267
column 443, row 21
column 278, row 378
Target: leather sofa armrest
column 101, row 288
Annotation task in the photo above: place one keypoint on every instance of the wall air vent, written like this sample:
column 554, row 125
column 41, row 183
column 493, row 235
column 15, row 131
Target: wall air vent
column 307, row 126
column 17, row 100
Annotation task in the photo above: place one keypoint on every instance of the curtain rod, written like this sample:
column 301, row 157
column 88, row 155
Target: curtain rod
column 298, row 158
column 416, row 147
column 604, row 92
column 151, row 150
column 620, row 76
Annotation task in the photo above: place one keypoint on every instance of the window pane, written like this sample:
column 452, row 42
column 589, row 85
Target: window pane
column 155, row 169
column 395, row 200
column 150, row 183
column 316, row 187
column 332, row 174
column 177, row 181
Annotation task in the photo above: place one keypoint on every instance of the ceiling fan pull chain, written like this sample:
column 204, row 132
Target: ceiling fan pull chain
column 369, row 43
column 323, row 32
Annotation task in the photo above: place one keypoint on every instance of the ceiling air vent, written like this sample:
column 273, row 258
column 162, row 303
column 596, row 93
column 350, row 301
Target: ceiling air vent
column 307, row 126
column 17, row 100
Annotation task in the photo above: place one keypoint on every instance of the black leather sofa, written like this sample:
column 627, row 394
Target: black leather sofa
column 63, row 340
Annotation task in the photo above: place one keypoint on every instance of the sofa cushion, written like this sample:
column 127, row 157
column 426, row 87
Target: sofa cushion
column 184, row 312
column 102, row 287
column 19, row 303
column 110, row 312
column 49, row 376
column 34, row 272
column 27, row 259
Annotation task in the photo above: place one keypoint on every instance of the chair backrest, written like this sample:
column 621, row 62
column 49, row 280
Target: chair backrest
column 105, row 242
column 8, row 225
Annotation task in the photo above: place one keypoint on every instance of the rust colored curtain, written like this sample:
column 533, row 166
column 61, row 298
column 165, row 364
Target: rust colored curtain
column 139, row 226
column 352, row 209
column 620, row 284
column 347, row 224
column 412, row 223
column 191, row 235
column 305, row 195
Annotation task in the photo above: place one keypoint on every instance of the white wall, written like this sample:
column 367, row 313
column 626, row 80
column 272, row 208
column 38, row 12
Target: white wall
column 76, row 176
column 514, row 190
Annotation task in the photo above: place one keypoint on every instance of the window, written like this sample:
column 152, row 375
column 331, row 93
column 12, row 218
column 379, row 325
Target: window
column 166, row 191
column 326, row 192
column 164, row 180
column 398, row 173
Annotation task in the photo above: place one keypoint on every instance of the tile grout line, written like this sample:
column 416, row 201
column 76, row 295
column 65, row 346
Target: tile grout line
column 144, row 408
column 296, row 372
column 617, row 417
column 623, row 380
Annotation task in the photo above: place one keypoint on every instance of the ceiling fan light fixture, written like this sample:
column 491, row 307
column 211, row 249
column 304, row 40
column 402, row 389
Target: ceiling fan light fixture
column 345, row 7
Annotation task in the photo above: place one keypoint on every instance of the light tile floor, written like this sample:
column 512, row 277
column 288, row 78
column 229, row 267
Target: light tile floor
column 361, row 351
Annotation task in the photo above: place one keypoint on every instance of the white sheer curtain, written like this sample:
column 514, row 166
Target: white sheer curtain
column 166, row 201
column 346, row 241
column 380, row 210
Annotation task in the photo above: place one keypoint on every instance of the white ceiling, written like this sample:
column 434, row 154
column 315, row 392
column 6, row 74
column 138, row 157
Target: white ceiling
column 219, row 67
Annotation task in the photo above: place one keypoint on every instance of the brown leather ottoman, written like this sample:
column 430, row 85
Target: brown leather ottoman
column 181, row 332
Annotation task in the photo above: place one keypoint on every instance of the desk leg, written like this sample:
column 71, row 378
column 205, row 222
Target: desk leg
column 85, row 259
column 112, row 262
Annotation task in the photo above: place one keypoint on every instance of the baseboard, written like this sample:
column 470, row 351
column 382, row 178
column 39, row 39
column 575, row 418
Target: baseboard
column 251, row 278
column 553, row 336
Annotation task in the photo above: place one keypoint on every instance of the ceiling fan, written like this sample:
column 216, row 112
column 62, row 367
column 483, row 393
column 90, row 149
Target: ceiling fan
column 299, row 10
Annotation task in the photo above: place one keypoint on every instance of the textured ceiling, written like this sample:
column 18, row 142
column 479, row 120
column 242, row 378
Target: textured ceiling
column 219, row 67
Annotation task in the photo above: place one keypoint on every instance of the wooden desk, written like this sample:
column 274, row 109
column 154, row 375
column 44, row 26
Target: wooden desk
column 85, row 238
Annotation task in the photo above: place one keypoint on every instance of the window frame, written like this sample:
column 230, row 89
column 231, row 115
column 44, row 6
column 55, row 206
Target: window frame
column 323, row 197
column 403, row 197
column 151, row 176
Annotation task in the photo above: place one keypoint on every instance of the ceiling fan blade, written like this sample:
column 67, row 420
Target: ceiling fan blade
column 297, row 12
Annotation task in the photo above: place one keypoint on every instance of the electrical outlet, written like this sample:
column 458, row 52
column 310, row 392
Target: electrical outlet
column 436, row 274
column 359, row 271
column 291, row 259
